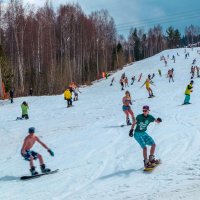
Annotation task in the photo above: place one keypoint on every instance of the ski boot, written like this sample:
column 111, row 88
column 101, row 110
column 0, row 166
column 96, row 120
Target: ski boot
column 44, row 169
column 148, row 164
column 153, row 161
column 33, row 172
column 128, row 121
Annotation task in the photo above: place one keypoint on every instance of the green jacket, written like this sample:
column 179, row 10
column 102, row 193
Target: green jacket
column 143, row 122
column 24, row 109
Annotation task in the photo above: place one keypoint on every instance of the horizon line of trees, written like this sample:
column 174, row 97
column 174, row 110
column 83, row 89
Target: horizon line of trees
column 47, row 49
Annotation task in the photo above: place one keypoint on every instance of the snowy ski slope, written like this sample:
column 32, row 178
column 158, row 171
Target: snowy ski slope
column 97, row 159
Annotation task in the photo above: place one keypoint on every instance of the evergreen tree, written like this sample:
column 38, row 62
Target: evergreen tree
column 136, row 39
column 170, row 36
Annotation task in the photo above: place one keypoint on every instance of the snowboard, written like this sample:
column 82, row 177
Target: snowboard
column 38, row 175
column 185, row 104
column 152, row 168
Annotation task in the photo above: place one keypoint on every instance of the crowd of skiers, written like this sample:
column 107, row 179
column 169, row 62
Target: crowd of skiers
column 138, row 123
column 142, row 121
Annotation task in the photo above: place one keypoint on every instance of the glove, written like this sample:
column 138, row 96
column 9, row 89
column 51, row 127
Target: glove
column 51, row 152
column 159, row 119
column 131, row 133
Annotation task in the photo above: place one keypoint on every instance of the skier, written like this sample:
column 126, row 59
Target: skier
column 11, row 95
column 126, row 107
column 31, row 92
column 122, row 83
column 133, row 80
column 113, row 79
column 30, row 155
column 126, row 81
column 165, row 62
column 194, row 61
column 159, row 72
column 140, row 77
column 140, row 135
column 153, row 75
column 24, row 107
column 187, row 92
column 197, row 68
column 147, row 83
column 68, row 97
column 173, row 58
column 192, row 71
column 171, row 75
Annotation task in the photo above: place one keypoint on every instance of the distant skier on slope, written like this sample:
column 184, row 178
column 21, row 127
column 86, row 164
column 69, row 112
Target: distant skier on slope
column 187, row 92
column 126, row 107
column 30, row 155
column 113, row 79
column 68, row 97
column 122, row 83
column 147, row 83
column 170, row 75
column 132, row 80
column 140, row 135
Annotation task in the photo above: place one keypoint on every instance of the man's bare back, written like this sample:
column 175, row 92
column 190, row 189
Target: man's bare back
column 29, row 141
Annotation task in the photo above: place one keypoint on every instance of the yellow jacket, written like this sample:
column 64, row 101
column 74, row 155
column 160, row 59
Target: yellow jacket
column 67, row 94
column 188, row 89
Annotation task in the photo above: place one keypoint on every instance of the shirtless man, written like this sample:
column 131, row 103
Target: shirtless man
column 30, row 155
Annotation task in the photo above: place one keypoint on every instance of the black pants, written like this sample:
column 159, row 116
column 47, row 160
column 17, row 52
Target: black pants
column 69, row 102
column 25, row 116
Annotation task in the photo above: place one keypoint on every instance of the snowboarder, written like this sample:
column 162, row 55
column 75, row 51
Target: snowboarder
column 187, row 92
column 30, row 155
column 24, row 107
column 140, row 135
column 147, row 83
column 126, row 107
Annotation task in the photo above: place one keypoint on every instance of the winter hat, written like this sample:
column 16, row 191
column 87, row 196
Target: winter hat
column 191, row 81
column 145, row 108
column 31, row 130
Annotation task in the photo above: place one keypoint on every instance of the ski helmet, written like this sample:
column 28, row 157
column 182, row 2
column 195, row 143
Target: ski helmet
column 31, row 130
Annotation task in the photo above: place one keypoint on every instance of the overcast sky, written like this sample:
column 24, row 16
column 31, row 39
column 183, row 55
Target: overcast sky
column 145, row 13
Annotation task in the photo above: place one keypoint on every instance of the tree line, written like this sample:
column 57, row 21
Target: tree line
column 46, row 49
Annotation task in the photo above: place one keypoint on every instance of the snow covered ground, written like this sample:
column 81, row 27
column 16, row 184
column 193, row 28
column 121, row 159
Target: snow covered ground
column 96, row 157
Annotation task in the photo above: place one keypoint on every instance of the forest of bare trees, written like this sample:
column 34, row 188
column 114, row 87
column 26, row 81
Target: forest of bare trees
column 46, row 49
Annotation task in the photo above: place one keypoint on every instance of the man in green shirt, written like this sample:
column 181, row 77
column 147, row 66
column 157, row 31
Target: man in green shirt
column 140, row 135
